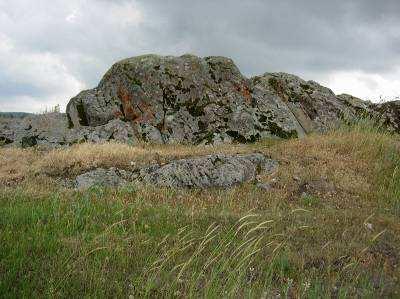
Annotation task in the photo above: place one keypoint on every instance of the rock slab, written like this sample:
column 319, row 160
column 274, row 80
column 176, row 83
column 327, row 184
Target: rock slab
column 217, row 170
column 209, row 171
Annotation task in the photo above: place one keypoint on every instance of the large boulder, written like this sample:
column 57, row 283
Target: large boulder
column 166, row 99
column 195, row 100
column 183, row 99
column 192, row 100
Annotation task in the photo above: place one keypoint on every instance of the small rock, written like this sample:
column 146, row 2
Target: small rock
column 29, row 141
column 264, row 186
column 102, row 177
column 368, row 225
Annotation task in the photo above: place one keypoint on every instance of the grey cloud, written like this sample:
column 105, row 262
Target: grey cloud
column 310, row 38
column 297, row 36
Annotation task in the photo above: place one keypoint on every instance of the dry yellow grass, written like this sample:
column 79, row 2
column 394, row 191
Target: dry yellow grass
column 16, row 164
column 334, row 204
column 341, row 163
column 87, row 156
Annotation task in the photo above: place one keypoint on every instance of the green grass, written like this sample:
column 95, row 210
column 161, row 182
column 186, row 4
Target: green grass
column 141, row 241
column 106, row 243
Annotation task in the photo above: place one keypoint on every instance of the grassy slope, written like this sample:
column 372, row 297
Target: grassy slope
column 329, row 227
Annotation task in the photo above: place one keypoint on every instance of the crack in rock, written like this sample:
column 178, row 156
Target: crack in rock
column 216, row 170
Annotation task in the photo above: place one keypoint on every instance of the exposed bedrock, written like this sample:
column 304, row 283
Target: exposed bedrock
column 216, row 170
column 193, row 100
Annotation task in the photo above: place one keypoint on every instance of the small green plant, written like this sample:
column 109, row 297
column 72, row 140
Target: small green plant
column 310, row 200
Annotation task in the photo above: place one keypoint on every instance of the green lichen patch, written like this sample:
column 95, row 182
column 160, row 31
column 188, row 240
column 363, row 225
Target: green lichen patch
column 306, row 86
column 279, row 132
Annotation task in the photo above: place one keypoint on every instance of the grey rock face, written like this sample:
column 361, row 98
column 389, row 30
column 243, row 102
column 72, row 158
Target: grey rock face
column 51, row 131
column 116, row 130
column 355, row 104
column 216, row 170
column 195, row 100
column 208, row 171
column 192, row 100
column 305, row 106
column 184, row 99
column 389, row 115
column 102, row 177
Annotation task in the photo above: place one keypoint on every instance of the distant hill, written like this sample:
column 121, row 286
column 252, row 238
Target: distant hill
column 14, row 114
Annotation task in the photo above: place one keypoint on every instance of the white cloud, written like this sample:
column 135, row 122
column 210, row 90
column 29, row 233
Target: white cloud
column 368, row 86
column 29, row 104
column 44, row 73
column 51, row 50
column 71, row 18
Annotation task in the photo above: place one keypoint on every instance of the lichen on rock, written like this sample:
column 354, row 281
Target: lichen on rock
column 193, row 100
column 211, row 171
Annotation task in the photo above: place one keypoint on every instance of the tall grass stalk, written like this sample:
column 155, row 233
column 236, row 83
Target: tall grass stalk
column 218, row 263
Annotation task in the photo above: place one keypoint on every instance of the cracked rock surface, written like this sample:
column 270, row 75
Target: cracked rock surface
column 193, row 100
column 104, row 177
column 208, row 171
column 218, row 170
column 51, row 131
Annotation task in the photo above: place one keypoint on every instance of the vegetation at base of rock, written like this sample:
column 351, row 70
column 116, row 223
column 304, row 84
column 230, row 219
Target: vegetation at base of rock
column 327, row 227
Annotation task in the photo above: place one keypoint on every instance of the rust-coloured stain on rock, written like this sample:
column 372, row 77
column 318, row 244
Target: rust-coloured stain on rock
column 126, row 101
column 134, row 109
column 244, row 90
column 246, row 93
column 118, row 114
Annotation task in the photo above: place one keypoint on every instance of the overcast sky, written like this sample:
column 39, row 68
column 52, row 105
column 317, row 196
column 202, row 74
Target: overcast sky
column 52, row 49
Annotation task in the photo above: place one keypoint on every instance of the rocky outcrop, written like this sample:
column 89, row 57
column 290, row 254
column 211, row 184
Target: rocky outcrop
column 208, row 171
column 103, row 177
column 47, row 129
column 51, row 131
column 217, row 170
column 389, row 115
column 192, row 100
column 183, row 99
column 196, row 100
